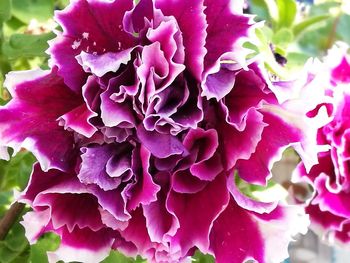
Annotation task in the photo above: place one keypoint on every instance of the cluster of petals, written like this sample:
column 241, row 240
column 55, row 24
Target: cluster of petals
column 330, row 177
column 139, row 127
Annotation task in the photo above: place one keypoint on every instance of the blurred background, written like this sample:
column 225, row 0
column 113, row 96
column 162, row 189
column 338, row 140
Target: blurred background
column 293, row 32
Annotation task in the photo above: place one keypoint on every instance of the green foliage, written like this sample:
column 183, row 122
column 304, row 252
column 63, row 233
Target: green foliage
column 298, row 32
column 26, row 46
column 5, row 10
column 116, row 257
column 38, row 251
column 201, row 258
column 15, row 173
column 287, row 10
column 343, row 32
column 15, row 248
column 260, row 8
column 26, row 10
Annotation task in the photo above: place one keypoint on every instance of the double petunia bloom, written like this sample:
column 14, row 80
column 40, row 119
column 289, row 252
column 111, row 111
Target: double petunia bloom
column 147, row 115
column 329, row 209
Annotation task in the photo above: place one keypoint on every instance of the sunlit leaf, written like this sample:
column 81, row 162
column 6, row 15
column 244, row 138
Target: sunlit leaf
column 287, row 10
column 27, row 46
column 343, row 27
column 283, row 37
column 305, row 24
column 15, row 173
column 201, row 258
column 116, row 257
column 5, row 10
column 260, row 8
column 26, row 10
column 38, row 251
column 15, row 247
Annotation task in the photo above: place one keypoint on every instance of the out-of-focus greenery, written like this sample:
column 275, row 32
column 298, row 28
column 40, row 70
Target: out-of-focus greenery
column 293, row 32
column 298, row 31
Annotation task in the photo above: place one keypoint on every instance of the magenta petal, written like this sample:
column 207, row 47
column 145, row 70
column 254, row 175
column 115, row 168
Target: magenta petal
column 83, row 245
column 78, row 120
column 271, row 234
column 40, row 181
column 93, row 167
column 241, row 144
column 70, row 210
column 204, row 145
column 136, row 232
column 160, row 223
column 341, row 73
column 29, row 119
column 220, row 84
column 191, row 20
column 64, row 58
column 113, row 112
column 249, row 90
column 99, row 65
column 151, row 140
column 145, row 190
column 35, row 224
column 335, row 203
column 138, row 18
column 326, row 221
column 101, row 31
column 226, row 240
column 184, row 182
column 205, row 207
column 225, row 28
column 276, row 137
column 246, row 202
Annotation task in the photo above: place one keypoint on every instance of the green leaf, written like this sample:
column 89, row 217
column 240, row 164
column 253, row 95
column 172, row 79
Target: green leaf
column 315, row 41
column 38, row 251
column 27, row 46
column 201, row 258
column 287, row 10
column 343, row 27
column 61, row 3
column 296, row 61
column 5, row 10
column 15, row 248
column 5, row 200
column 324, row 8
column 26, row 10
column 283, row 37
column 13, row 26
column 116, row 257
column 305, row 24
column 260, row 8
column 15, row 173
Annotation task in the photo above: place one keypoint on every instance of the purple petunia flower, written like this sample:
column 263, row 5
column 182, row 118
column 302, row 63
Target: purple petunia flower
column 147, row 113
column 328, row 209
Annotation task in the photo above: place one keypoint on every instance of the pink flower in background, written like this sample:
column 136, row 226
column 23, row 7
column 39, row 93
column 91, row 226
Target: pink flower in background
column 329, row 211
column 147, row 113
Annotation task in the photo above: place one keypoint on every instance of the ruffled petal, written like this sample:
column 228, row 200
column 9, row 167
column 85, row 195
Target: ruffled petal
column 191, row 21
column 205, row 207
column 101, row 31
column 82, row 245
column 29, row 119
column 225, row 28
column 276, row 137
column 270, row 234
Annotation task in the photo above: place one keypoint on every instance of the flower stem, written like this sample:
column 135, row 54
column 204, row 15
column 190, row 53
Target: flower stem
column 10, row 219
